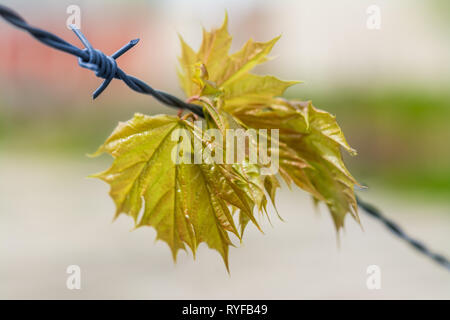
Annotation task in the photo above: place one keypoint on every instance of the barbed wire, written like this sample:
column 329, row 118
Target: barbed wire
column 398, row 231
column 105, row 67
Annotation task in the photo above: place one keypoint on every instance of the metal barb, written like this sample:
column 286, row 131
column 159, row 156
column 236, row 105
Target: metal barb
column 104, row 66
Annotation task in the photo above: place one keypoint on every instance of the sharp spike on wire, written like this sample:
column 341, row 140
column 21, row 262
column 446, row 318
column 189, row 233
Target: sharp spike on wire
column 125, row 48
column 81, row 36
column 98, row 62
column 104, row 66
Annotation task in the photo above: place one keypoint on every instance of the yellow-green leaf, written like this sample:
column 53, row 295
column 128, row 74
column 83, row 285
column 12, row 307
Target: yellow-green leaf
column 186, row 203
column 190, row 203
column 225, row 70
column 310, row 156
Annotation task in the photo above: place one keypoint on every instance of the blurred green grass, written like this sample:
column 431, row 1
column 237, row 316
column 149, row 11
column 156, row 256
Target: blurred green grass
column 402, row 134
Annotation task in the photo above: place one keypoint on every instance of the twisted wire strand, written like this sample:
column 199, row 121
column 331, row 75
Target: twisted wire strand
column 106, row 67
column 398, row 231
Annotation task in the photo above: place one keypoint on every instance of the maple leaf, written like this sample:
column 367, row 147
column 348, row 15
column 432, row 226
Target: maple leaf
column 314, row 139
column 193, row 202
column 310, row 139
column 186, row 203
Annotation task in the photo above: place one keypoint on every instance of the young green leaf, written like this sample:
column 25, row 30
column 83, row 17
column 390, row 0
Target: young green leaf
column 314, row 137
column 186, row 203
column 190, row 202
column 310, row 139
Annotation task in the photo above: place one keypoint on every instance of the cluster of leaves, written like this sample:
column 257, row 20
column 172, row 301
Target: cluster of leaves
column 192, row 203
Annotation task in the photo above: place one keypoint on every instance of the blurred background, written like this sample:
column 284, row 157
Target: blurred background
column 388, row 87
